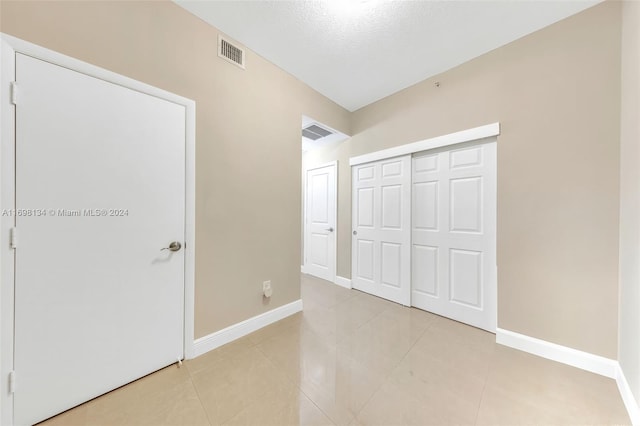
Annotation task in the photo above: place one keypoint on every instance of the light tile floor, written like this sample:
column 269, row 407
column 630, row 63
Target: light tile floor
column 354, row 359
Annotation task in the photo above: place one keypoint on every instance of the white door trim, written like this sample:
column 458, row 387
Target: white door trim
column 463, row 136
column 9, row 47
column 304, row 217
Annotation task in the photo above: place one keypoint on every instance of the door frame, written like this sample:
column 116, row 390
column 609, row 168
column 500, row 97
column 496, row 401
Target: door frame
column 9, row 46
column 486, row 132
column 304, row 217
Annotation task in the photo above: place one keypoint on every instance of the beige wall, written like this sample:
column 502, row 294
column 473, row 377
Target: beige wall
column 557, row 95
column 248, row 138
column 629, row 332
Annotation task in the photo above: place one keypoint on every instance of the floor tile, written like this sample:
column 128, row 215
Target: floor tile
column 166, row 397
column 524, row 389
column 228, row 351
column 393, row 405
column 233, row 384
column 73, row 417
column 274, row 329
column 291, row 407
column 317, row 292
column 343, row 393
column 354, row 359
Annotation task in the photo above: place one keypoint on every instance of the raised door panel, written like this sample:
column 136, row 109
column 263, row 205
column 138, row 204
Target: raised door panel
column 364, row 174
column 365, row 208
column 465, row 277
column 318, row 211
column 391, row 264
column 318, row 250
column 425, row 205
column 392, row 207
column 425, row 164
column 466, row 204
column 392, row 169
column 364, row 253
column 466, row 157
column 425, row 270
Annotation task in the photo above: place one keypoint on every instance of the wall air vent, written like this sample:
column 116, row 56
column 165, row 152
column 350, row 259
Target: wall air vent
column 230, row 52
column 315, row 132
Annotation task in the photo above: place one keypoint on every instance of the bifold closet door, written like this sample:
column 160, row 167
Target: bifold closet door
column 454, row 233
column 381, row 242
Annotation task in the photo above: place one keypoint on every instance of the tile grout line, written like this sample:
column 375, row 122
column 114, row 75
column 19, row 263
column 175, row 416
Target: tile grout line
column 292, row 382
column 354, row 294
column 195, row 388
column 484, row 385
column 297, row 386
column 388, row 375
column 251, row 346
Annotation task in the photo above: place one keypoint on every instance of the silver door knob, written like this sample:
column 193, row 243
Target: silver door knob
column 330, row 229
column 355, row 232
column 174, row 246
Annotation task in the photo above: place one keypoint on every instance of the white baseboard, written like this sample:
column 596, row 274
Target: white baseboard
column 343, row 282
column 579, row 359
column 236, row 331
column 627, row 397
column 584, row 360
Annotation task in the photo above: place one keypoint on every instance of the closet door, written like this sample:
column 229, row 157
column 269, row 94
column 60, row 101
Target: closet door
column 381, row 240
column 453, row 252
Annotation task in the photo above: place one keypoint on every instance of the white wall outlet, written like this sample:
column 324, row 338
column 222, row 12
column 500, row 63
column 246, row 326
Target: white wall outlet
column 266, row 289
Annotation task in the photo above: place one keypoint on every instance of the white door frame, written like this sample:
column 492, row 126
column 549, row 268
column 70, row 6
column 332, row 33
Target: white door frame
column 9, row 47
column 474, row 134
column 304, row 217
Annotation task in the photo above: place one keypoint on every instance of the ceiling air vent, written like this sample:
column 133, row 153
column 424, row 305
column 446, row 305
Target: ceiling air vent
column 229, row 51
column 315, row 132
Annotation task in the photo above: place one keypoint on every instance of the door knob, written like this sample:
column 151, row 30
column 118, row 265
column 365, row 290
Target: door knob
column 330, row 229
column 174, row 246
column 355, row 232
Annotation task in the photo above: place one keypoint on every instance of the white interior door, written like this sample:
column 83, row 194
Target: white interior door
column 100, row 179
column 454, row 233
column 320, row 223
column 381, row 243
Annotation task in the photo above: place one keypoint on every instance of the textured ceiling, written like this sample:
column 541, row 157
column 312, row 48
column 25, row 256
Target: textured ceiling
column 356, row 52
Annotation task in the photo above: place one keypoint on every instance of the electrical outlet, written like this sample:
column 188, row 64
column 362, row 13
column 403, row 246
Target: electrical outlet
column 266, row 288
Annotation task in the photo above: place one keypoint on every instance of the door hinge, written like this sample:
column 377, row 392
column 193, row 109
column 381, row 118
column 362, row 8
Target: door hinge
column 14, row 93
column 12, row 382
column 13, row 238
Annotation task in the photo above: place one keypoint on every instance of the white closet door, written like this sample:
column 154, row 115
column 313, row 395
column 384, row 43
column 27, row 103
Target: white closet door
column 381, row 240
column 454, row 233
